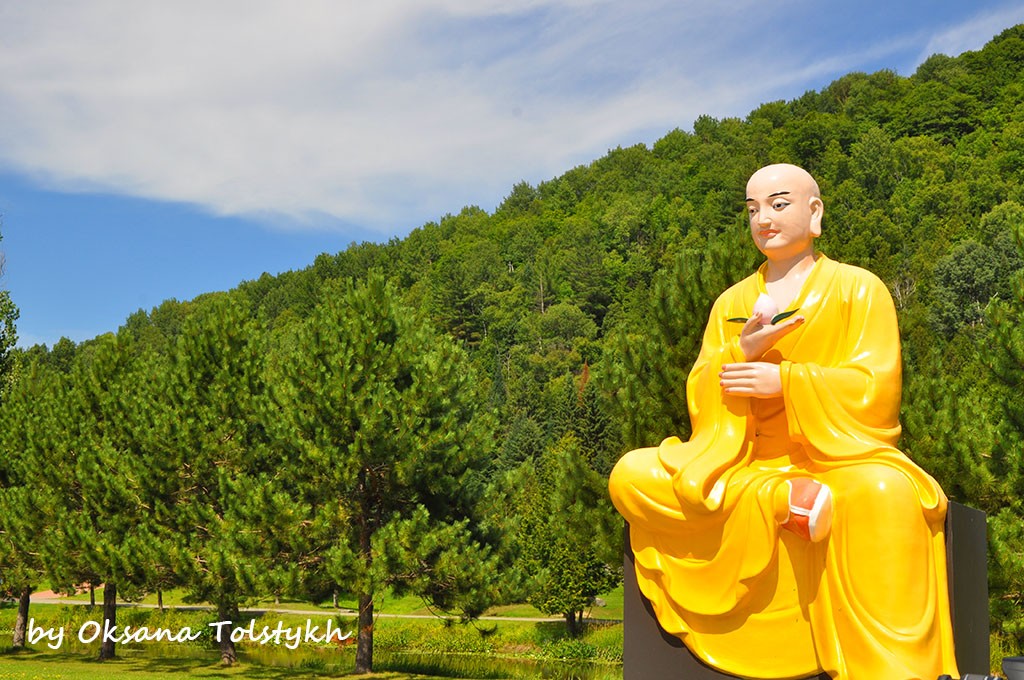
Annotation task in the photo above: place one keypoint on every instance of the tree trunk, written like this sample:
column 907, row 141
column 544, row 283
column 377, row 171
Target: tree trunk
column 160, row 599
column 109, row 619
column 364, row 641
column 92, row 595
column 22, row 620
column 227, row 612
column 570, row 623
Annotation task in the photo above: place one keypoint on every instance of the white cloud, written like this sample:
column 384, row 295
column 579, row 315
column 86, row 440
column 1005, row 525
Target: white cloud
column 973, row 33
column 385, row 113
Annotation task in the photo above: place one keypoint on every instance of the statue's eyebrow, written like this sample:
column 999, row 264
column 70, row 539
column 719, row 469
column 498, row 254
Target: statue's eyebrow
column 777, row 193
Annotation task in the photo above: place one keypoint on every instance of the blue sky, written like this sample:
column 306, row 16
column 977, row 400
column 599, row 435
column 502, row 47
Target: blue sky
column 153, row 150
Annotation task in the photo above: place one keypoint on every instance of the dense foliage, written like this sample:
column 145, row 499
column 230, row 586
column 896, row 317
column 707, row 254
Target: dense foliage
column 578, row 306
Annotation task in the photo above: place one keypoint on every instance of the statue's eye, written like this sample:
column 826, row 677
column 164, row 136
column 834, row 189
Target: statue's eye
column 779, row 205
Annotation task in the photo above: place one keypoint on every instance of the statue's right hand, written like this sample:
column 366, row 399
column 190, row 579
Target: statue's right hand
column 756, row 337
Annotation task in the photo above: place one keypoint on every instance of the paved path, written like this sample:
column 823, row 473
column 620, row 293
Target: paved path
column 49, row 597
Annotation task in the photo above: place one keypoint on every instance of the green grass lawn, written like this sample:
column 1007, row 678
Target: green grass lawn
column 53, row 666
column 405, row 647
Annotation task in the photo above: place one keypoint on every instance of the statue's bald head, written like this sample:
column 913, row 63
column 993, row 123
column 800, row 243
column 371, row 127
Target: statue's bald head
column 786, row 173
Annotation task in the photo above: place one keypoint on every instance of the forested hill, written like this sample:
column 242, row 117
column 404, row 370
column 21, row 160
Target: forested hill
column 922, row 178
column 923, row 181
column 581, row 300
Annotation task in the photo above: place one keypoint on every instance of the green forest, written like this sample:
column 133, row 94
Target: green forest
column 438, row 414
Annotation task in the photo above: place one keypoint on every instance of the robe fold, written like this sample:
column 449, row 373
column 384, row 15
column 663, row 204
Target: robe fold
column 748, row 598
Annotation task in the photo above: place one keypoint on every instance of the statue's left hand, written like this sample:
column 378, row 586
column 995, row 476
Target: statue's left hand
column 756, row 337
column 751, row 378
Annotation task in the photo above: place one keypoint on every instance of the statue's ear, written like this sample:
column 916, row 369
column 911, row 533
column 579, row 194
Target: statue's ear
column 817, row 211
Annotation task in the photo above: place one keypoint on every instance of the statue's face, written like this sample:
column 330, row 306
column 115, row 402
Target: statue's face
column 784, row 211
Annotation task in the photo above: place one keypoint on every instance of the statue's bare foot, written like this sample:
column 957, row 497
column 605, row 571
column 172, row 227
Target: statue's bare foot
column 810, row 509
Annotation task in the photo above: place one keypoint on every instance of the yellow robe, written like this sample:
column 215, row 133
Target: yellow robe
column 749, row 598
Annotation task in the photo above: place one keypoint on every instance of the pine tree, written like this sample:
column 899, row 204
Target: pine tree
column 380, row 417
column 26, row 424
column 652, row 355
column 563, row 521
column 52, row 460
column 1006, row 353
column 949, row 428
column 216, row 446
column 113, row 532
column 9, row 314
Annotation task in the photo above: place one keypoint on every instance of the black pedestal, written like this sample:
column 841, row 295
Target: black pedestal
column 649, row 653
column 967, row 563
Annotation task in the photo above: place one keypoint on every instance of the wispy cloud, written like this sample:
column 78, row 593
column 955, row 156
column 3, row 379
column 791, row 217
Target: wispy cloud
column 973, row 33
column 382, row 113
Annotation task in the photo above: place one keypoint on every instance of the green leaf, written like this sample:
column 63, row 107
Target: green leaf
column 775, row 319
column 783, row 316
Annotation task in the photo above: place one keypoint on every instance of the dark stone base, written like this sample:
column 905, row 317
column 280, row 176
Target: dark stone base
column 967, row 563
column 650, row 653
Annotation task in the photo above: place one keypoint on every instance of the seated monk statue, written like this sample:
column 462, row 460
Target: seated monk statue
column 789, row 536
